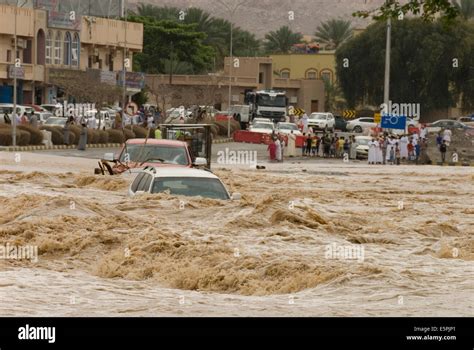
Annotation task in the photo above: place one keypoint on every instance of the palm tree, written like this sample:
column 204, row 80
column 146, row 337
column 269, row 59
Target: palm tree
column 465, row 7
column 160, row 13
column 333, row 32
column 282, row 40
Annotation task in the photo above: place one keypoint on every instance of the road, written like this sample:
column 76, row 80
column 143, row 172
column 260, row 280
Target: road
column 262, row 153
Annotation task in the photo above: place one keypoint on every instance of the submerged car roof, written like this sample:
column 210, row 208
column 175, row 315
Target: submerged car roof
column 183, row 172
column 172, row 143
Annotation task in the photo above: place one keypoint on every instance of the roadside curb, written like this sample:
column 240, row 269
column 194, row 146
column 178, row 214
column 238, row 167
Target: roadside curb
column 54, row 147
column 57, row 147
column 223, row 140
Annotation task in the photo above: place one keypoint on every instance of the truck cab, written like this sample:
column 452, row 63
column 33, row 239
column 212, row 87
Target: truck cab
column 268, row 104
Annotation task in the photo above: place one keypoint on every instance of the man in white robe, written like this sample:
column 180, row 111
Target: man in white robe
column 291, row 148
column 378, row 152
column 278, row 150
column 372, row 151
column 404, row 147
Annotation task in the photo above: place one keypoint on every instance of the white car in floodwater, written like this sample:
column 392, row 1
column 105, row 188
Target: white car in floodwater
column 180, row 182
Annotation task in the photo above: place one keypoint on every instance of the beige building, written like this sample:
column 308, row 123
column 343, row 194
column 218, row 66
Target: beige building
column 49, row 41
column 320, row 65
column 247, row 73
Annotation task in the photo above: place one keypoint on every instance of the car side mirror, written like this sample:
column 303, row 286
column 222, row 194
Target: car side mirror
column 110, row 157
column 236, row 196
column 200, row 161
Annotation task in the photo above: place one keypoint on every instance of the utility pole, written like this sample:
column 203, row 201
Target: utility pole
column 232, row 10
column 171, row 63
column 124, row 73
column 15, row 82
column 386, row 90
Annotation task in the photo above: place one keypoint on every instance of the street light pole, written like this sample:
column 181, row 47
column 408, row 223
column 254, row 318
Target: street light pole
column 124, row 73
column 386, row 91
column 15, row 83
column 232, row 11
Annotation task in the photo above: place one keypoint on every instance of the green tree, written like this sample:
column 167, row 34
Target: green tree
column 429, row 65
column 334, row 32
column 168, row 40
column 465, row 8
column 282, row 40
column 217, row 30
column 428, row 9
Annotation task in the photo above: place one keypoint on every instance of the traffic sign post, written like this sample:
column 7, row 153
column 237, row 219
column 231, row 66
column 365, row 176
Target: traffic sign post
column 398, row 122
column 349, row 114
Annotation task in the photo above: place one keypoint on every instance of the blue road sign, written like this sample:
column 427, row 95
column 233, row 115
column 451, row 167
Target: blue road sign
column 394, row 122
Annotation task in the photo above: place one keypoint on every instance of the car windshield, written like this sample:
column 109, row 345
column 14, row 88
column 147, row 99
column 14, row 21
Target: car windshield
column 318, row 116
column 190, row 186
column 287, row 127
column 263, row 126
column 265, row 100
column 363, row 142
column 149, row 153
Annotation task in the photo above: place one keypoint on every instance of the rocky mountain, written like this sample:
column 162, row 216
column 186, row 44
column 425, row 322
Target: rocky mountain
column 262, row 16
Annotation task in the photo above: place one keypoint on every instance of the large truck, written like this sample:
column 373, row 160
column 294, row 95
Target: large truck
column 269, row 104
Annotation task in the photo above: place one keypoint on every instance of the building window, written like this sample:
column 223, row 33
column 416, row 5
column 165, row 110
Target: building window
column 67, row 49
column 75, row 51
column 40, row 48
column 49, row 47
column 285, row 74
column 57, row 48
column 326, row 75
column 9, row 55
column 311, row 74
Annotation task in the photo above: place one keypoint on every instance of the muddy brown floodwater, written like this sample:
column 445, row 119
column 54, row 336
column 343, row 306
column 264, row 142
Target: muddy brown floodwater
column 102, row 253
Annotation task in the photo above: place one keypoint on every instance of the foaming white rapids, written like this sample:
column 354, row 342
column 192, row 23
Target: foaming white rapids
column 102, row 253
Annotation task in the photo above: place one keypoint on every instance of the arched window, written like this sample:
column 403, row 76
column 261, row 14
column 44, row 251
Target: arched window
column 311, row 73
column 326, row 74
column 285, row 73
column 57, row 48
column 75, row 51
column 67, row 49
column 49, row 48
column 40, row 47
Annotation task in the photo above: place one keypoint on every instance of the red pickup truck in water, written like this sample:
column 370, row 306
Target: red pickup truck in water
column 139, row 153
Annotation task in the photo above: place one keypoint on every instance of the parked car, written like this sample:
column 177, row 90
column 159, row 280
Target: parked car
column 42, row 117
column 439, row 125
column 51, row 107
column 55, row 121
column 360, row 124
column 8, row 109
column 103, row 118
column 287, row 128
column 322, row 121
column 174, row 114
column 180, row 182
column 362, row 146
column 263, row 127
column 468, row 120
column 341, row 123
column 36, row 108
